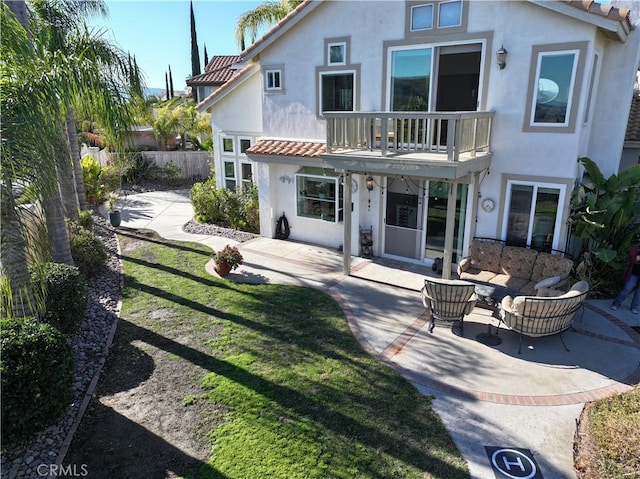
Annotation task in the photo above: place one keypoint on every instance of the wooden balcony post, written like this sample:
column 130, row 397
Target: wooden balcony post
column 384, row 136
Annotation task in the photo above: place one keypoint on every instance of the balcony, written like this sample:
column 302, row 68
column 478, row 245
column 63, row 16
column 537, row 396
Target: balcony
column 445, row 145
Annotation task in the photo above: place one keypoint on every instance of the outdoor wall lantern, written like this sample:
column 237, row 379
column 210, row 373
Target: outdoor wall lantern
column 502, row 57
column 369, row 182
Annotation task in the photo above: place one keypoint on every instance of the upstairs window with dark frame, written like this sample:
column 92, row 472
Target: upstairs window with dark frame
column 337, row 91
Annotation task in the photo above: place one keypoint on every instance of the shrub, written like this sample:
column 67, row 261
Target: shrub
column 136, row 167
column 86, row 220
column 88, row 251
column 65, row 292
column 207, row 208
column 36, row 377
column 92, row 176
column 228, row 207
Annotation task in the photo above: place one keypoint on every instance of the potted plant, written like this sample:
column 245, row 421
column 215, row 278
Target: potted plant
column 227, row 259
column 115, row 218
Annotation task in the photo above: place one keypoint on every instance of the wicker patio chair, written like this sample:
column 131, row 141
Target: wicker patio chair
column 448, row 300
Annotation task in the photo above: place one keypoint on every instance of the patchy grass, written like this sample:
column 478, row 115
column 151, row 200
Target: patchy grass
column 293, row 393
column 609, row 439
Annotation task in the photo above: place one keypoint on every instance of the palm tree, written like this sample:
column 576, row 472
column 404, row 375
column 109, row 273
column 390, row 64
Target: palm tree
column 56, row 64
column 263, row 16
column 29, row 129
column 108, row 84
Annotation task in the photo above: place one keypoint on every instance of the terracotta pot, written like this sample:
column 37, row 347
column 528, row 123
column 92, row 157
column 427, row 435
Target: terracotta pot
column 223, row 268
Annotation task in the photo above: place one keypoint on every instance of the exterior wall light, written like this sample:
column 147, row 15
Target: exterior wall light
column 502, row 57
column 369, row 182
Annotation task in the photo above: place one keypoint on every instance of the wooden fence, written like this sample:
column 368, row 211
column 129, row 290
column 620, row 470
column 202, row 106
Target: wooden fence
column 192, row 164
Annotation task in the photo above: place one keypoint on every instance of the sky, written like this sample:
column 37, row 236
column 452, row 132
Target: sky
column 158, row 33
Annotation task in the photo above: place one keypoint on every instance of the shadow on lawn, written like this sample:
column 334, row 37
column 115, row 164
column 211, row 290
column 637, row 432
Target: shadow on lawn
column 393, row 425
column 151, row 236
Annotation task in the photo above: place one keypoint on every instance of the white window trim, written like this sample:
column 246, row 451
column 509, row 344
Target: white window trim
column 233, row 145
column 569, row 111
column 240, row 138
column 459, row 24
column 334, row 73
column 335, row 200
column 557, row 227
column 274, row 72
column 344, row 53
column 432, row 17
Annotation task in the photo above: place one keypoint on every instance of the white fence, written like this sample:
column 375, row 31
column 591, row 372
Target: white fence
column 192, row 164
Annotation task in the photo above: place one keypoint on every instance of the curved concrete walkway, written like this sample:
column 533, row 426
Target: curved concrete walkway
column 486, row 395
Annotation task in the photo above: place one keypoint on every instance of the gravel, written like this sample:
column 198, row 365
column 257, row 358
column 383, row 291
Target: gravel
column 214, row 230
column 33, row 459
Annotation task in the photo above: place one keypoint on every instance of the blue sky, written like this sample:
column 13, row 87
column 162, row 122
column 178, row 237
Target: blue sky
column 158, row 33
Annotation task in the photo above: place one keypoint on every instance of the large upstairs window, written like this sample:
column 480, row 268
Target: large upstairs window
column 337, row 91
column 554, row 87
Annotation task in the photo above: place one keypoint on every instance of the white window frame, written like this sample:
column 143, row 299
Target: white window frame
column 315, row 198
column 439, row 25
column 323, row 73
column 344, row 53
column 270, row 76
column 569, row 110
column 227, row 178
column 413, row 8
column 240, row 140
column 557, row 227
column 223, row 151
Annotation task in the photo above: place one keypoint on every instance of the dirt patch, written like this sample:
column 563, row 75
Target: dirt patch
column 148, row 417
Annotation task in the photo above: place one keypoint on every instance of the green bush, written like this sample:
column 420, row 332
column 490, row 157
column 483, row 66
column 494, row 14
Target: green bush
column 92, row 175
column 226, row 207
column 206, row 207
column 86, row 220
column 65, row 292
column 88, row 251
column 136, row 167
column 36, row 377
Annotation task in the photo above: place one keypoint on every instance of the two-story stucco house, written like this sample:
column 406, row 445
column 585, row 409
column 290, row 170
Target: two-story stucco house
column 428, row 121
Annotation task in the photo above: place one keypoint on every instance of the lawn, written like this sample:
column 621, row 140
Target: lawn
column 267, row 380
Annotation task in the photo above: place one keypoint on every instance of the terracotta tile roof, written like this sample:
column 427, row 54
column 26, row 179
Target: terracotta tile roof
column 633, row 125
column 217, row 72
column 608, row 11
column 306, row 149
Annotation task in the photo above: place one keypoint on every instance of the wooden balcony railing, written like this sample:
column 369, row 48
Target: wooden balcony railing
column 446, row 133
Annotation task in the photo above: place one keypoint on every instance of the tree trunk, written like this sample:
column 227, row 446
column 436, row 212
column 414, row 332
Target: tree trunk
column 72, row 133
column 18, row 298
column 57, row 229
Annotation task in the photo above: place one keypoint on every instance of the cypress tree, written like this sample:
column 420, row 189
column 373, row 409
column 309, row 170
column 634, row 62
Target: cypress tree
column 206, row 57
column 170, row 82
column 195, row 54
column 166, row 82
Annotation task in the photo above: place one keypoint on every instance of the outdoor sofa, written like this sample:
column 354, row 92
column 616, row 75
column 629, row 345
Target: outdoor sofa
column 514, row 267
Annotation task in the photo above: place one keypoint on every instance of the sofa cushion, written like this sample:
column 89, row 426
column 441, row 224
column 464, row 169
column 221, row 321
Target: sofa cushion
column 474, row 274
column 548, row 264
column 518, row 261
column 512, row 282
column 485, row 255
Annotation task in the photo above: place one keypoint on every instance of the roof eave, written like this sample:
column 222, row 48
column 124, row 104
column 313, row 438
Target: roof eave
column 279, row 29
column 618, row 30
column 227, row 88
